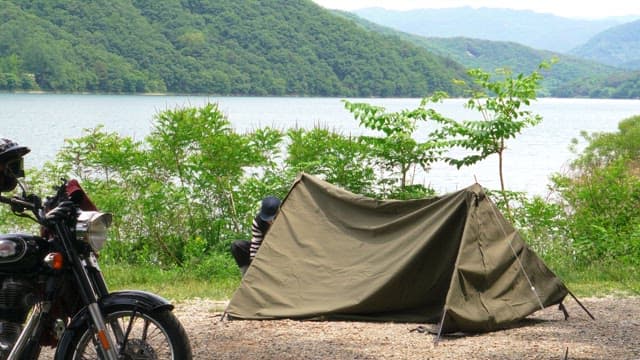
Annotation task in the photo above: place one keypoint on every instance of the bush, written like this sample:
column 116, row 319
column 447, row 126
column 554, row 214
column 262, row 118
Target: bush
column 542, row 223
column 601, row 196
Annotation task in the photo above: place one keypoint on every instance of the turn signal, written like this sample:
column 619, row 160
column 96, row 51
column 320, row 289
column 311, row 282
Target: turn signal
column 54, row 260
column 103, row 340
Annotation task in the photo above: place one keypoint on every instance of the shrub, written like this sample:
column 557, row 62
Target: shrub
column 601, row 196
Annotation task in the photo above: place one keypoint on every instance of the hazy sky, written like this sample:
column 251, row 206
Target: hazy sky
column 566, row 8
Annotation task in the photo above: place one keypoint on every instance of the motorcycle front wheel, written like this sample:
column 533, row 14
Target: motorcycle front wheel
column 149, row 336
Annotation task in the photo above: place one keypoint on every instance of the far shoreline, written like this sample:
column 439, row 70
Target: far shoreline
column 293, row 96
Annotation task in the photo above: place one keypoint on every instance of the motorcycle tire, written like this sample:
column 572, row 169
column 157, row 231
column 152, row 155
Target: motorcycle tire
column 154, row 335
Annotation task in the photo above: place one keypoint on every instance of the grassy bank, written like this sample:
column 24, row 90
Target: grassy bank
column 601, row 280
column 176, row 284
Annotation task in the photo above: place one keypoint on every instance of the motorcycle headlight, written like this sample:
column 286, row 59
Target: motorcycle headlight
column 92, row 228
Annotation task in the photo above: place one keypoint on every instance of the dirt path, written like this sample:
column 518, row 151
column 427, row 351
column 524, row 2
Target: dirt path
column 615, row 334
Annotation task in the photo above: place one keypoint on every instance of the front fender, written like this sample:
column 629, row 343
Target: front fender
column 142, row 300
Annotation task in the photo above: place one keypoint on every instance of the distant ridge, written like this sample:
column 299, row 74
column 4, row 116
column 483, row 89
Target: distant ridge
column 571, row 76
column 536, row 30
column 618, row 46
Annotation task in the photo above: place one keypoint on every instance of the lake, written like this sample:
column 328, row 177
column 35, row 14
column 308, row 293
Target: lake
column 43, row 121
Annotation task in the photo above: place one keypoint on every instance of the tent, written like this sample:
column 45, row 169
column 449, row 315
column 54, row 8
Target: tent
column 452, row 260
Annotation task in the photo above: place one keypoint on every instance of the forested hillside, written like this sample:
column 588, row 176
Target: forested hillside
column 570, row 76
column 226, row 47
column 490, row 55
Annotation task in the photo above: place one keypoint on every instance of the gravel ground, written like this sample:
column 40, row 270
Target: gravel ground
column 615, row 334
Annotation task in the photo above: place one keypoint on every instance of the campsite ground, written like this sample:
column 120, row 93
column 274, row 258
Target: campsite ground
column 615, row 334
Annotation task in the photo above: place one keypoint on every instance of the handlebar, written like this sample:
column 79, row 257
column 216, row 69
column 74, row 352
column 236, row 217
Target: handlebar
column 33, row 203
column 20, row 204
column 14, row 201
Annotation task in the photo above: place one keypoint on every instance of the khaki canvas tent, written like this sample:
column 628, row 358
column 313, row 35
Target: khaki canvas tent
column 453, row 260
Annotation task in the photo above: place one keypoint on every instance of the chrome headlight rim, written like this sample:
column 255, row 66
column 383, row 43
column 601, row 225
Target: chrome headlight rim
column 91, row 228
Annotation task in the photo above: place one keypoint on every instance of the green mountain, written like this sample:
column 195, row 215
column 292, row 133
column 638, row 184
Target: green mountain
column 490, row 55
column 570, row 76
column 618, row 46
column 225, row 47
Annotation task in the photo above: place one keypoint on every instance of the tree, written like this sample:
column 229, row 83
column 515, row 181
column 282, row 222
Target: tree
column 499, row 102
column 343, row 160
column 397, row 154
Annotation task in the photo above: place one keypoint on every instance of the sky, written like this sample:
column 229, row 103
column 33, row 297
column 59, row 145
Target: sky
column 567, row 8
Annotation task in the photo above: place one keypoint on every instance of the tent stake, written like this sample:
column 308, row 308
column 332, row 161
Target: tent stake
column 564, row 310
column 579, row 303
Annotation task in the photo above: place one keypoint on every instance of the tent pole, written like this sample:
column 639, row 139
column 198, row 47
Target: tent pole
column 579, row 303
column 435, row 342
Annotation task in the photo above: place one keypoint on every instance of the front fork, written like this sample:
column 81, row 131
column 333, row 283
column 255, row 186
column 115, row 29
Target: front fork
column 105, row 340
column 91, row 287
column 108, row 346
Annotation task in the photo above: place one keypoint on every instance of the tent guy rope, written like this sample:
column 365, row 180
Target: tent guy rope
column 504, row 232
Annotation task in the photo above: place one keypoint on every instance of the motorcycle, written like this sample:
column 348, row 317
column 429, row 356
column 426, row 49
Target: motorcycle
column 53, row 293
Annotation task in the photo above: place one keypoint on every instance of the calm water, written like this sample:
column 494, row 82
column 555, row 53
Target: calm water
column 43, row 121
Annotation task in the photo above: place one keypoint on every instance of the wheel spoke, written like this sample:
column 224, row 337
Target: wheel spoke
column 145, row 330
column 145, row 338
